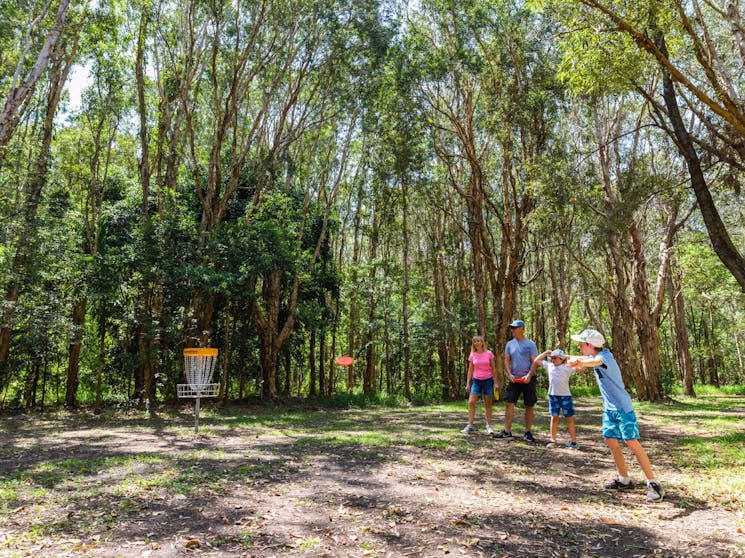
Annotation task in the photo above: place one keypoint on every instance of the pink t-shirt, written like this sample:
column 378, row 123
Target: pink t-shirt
column 481, row 364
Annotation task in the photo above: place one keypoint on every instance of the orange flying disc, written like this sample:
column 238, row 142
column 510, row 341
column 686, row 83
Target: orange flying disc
column 345, row 360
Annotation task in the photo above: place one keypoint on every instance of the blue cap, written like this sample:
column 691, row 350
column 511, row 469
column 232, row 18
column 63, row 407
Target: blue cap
column 517, row 323
column 558, row 353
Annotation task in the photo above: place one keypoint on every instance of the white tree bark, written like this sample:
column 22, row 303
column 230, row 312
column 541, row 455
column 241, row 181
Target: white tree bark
column 20, row 93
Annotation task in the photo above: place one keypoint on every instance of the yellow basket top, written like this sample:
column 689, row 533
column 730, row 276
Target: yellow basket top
column 200, row 351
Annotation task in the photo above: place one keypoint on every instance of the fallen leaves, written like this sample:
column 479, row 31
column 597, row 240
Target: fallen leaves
column 192, row 543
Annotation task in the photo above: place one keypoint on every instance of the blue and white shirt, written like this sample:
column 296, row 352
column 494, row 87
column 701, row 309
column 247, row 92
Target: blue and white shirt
column 610, row 381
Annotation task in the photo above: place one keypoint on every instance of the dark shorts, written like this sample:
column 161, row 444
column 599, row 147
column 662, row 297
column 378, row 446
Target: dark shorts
column 482, row 387
column 558, row 404
column 528, row 391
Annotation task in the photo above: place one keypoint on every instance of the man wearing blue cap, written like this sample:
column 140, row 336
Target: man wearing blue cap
column 518, row 359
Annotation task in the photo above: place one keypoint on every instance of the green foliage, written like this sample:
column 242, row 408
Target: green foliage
column 264, row 132
column 596, row 57
column 597, row 64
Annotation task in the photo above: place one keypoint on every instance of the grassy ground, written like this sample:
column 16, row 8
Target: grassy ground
column 299, row 481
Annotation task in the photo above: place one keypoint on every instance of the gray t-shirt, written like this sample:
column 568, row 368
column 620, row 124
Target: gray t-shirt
column 521, row 354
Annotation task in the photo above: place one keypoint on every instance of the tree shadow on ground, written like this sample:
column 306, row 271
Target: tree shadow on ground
column 290, row 491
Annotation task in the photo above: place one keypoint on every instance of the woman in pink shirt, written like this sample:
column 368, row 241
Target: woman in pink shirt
column 482, row 375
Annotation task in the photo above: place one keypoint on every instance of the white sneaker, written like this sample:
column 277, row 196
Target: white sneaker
column 489, row 431
column 468, row 429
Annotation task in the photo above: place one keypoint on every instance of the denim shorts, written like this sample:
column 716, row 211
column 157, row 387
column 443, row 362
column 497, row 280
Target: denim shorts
column 558, row 404
column 620, row 425
column 482, row 387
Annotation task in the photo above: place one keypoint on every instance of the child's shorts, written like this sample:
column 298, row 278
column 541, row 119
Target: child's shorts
column 620, row 425
column 558, row 404
column 482, row 387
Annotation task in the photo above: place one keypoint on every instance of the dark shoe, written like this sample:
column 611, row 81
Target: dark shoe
column 573, row 445
column 655, row 492
column 503, row 435
column 529, row 437
column 618, row 485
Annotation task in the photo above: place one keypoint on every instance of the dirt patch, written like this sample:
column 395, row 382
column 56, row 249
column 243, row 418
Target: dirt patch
column 153, row 488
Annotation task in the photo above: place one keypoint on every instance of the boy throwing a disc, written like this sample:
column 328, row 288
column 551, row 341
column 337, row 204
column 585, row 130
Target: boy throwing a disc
column 619, row 419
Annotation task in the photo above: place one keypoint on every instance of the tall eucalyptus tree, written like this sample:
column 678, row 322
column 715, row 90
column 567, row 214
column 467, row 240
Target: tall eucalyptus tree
column 63, row 49
column 698, row 47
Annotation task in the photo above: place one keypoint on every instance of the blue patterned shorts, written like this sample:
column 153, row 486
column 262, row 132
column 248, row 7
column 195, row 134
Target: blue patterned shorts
column 620, row 425
column 558, row 404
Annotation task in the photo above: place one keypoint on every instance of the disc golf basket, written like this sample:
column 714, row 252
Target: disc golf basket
column 199, row 363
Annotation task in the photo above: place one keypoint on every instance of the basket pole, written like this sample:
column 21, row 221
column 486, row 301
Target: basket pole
column 196, row 415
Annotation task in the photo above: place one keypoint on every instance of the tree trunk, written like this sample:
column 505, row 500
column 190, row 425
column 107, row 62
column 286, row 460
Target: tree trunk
column 269, row 356
column 718, row 234
column 330, row 386
column 145, row 316
column 505, row 272
column 145, row 383
column 267, row 322
column 740, row 358
column 561, row 300
column 321, row 363
column 475, row 229
column 712, row 363
column 224, row 377
column 312, row 363
column 78, row 325
column 368, row 381
column 682, row 349
column 449, row 389
column 98, row 406
column 32, row 382
column 288, row 368
column 388, row 348
column 405, row 286
column 353, row 333
column 646, row 319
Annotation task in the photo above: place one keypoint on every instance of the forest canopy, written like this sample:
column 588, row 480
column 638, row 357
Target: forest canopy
column 290, row 181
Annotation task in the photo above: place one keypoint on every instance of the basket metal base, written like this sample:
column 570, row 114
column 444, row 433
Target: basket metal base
column 197, row 390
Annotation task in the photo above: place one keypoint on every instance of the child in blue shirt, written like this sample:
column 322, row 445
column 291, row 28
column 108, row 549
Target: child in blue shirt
column 619, row 419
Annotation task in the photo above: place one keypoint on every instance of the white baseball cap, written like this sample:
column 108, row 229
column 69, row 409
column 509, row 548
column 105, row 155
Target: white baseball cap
column 558, row 353
column 591, row 336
